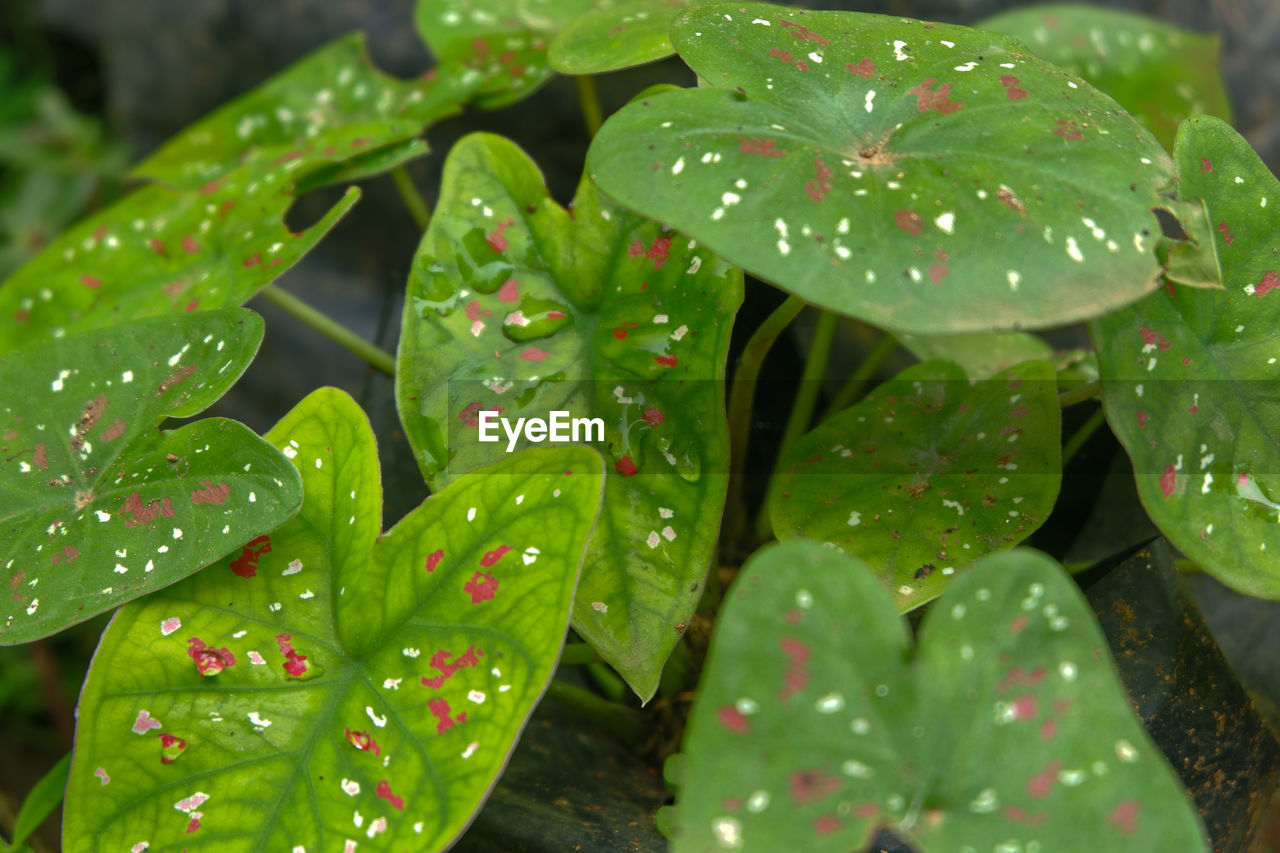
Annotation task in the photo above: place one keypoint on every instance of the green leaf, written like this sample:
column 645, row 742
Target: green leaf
column 1159, row 72
column 1189, row 376
column 497, row 47
column 161, row 251
column 99, row 506
column 927, row 474
column 1005, row 729
column 41, row 800
column 616, row 34
column 332, row 682
column 519, row 306
column 925, row 177
column 330, row 107
column 981, row 354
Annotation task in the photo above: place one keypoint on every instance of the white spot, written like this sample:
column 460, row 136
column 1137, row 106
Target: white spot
column 856, row 769
column 471, row 514
column 410, row 652
column 678, row 167
column 599, row 607
column 728, row 832
column 170, row 625
column 829, row 704
column 293, row 568
column 815, row 56
column 350, row 787
column 256, row 659
column 380, row 722
column 1015, row 278
column 898, row 52
column 654, row 540
column 855, row 518
column 868, row 98
column 476, row 696
column 471, row 749
column 950, row 504
column 946, row 222
column 257, row 720
column 668, row 533
column 968, row 66
column 1074, row 251
column 1125, row 751
column 177, row 533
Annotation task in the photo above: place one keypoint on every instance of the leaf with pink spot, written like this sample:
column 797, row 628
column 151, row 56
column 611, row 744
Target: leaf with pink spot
column 385, row 691
column 979, row 736
column 1188, row 375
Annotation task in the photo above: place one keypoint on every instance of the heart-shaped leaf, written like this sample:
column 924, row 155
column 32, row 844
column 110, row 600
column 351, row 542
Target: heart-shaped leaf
column 498, row 47
column 331, row 686
column 98, row 506
column 927, row 474
column 332, row 106
column 518, row 307
column 616, row 34
column 1189, row 376
column 161, row 251
column 1157, row 71
column 925, row 177
column 1006, row 729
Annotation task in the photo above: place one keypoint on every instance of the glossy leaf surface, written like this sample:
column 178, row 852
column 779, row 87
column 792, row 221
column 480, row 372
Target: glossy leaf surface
column 927, row 474
column 1006, row 728
column 332, row 686
column 617, row 34
column 332, row 106
column 161, row 251
column 521, row 308
column 1159, row 72
column 924, row 177
column 98, row 506
column 1189, row 379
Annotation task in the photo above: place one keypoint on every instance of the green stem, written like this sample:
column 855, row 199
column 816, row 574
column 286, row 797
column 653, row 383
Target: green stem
column 334, row 331
column 625, row 723
column 607, row 681
column 590, row 101
column 1086, row 430
column 741, row 397
column 815, row 368
column 412, row 198
column 578, row 654
column 1080, row 393
column 852, row 389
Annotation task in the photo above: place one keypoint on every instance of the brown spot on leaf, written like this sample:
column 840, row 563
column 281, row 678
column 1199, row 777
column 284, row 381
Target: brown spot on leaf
column 909, row 221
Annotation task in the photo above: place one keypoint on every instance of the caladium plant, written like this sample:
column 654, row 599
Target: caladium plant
column 283, row 674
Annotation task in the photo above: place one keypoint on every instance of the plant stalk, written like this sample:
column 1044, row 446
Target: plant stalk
column 375, row 356
column 1080, row 393
column 852, row 389
column 412, row 198
column 1083, row 434
column 592, row 115
column 578, row 654
column 627, row 724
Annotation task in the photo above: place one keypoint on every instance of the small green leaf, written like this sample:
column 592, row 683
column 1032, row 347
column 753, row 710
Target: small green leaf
column 927, row 474
column 617, row 34
column 498, row 48
column 41, row 800
column 330, row 107
column 1189, row 375
column 334, row 686
column 1005, row 729
column 981, row 354
column 519, row 307
column 161, row 251
column 99, row 506
column 1159, row 72
column 924, row 177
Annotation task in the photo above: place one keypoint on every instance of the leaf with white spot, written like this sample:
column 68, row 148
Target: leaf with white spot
column 617, row 34
column 331, row 116
column 332, row 682
column 927, row 474
column 1004, row 729
column 161, row 251
column 97, row 506
column 1159, row 72
column 519, row 307
column 925, row 177
column 497, row 47
column 1189, row 375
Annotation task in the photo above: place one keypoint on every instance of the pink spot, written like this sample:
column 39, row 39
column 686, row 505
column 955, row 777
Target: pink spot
column 625, row 466
column 937, row 272
column 468, row 415
column 1143, row 417
column 797, row 675
column 788, row 57
column 534, row 354
column 40, row 457
column 144, row 514
column 760, row 146
column 510, row 291
column 804, row 33
column 733, row 720
column 620, row 334
column 1125, row 817
column 114, row 431
column 195, row 823
column 1020, row 412
column 1269, row 282
column 1018, row 624
column 211, row 494
column 657, row 251
column 865, row 68
column 67, row 554
column 100, row 232
column 820, row 185
column 652, row 417
column 1226, row 233
column 1017, row 814
column 101, row 773
column 555, row 315
column 666, row 360
column 170, row 625
column 362, row 741
column 1040, row 785
column 91, row 282
column 295, row 665
column 1243, row 478
column 909, row 221
column 253, row 260
column 1012, row 92
column 825, row 824
column 810, row 786
column 1205, row 165
column 1048, row 729
column 496, row 241
column 939, row 101
column 171, row 746
column 145, row 722
column 246, row 565
column 1025, row 707
column 441, row 663
column 211, row 187
column 474, row 311
column 1018, row 677
column 209, row 661
column 494, row 556
column 1151, row 338
column 384, row 791
column 189, row 245
column 1068, row 130
column 482, row 587
column 440, row 709
column 1168, row 480
column 158, row 247
column 433, row 560
column 867, row 810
